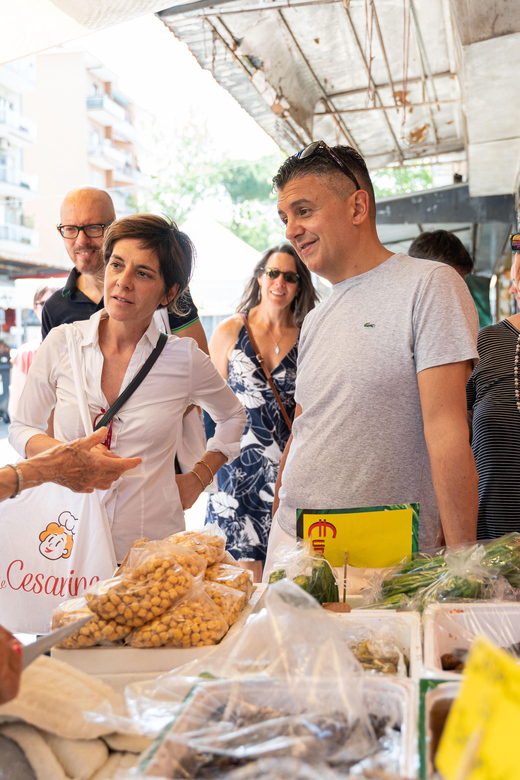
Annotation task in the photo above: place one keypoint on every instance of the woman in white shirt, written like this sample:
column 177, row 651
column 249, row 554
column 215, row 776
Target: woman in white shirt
column 148, row 265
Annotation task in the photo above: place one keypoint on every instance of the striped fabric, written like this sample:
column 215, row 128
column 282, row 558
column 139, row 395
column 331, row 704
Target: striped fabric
column 496, row 431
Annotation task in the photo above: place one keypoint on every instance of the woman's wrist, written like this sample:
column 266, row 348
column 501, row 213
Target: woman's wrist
column 202, row 483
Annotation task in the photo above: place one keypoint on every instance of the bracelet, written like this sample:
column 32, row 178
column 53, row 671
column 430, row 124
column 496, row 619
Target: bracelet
column 19, row 479
column 199, row 478
column 203, row 463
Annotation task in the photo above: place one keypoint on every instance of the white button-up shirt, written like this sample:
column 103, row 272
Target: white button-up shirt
column 145, row 501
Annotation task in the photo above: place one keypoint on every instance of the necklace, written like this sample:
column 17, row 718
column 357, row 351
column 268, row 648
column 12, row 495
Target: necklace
column 276, row 347
column 517, row 360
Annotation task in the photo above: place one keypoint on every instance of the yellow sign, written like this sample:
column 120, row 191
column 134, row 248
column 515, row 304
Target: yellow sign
column 480, row 740
column 373, row 537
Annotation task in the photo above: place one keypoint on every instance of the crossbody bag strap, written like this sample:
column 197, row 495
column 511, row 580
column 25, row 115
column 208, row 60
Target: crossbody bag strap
column 134, row 384
column 266, row 371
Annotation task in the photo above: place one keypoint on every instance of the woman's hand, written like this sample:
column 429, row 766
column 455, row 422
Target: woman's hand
column 190, row 488
column 10, row 665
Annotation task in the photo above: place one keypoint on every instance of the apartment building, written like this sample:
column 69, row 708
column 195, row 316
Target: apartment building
column 86, row 137
column 18, row 239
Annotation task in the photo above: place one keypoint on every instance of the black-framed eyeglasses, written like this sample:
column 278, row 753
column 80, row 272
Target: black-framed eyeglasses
column 311, row 149
column 92, row 231
column 291, row 277
column 515, row 242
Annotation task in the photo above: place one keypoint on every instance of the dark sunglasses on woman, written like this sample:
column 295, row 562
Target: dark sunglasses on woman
column 291, row 277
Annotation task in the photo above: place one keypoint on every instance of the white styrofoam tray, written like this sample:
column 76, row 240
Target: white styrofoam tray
column 451, row 626
column 133, row 663
column 405, row 628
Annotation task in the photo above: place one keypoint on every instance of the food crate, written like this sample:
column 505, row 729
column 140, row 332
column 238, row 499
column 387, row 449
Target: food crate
column 452, row 627
column 404, row 627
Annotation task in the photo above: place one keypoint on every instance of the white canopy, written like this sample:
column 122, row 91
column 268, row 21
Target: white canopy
column 224, row 265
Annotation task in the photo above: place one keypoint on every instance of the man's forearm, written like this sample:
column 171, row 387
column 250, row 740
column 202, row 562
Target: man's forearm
column 455, row 481
column 276, row 500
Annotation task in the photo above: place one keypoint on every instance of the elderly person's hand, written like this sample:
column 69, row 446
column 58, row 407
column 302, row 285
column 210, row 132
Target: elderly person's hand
column 82, row 465
column 10, row 666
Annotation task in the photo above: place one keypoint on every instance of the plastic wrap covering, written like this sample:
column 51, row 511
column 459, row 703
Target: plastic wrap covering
column 290, row 638
column 96, row 632
column 484, row 571
column 210, row 542
column 232, row 576
column 311, row 572
column 225, row 724
column 194, row 621
column 157, row 576
column 450, row 631
column 379, row 649
column 229, row 601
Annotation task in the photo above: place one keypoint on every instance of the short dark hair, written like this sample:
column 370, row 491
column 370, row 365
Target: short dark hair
column 322, row 165
column 173, row 249
column 305, row 300
column 443, row 246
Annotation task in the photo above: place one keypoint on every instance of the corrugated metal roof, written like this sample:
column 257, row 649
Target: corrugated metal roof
column 398, row 79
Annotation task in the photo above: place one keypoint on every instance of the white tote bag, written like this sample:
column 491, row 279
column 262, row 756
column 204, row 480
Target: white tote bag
column 55, row 543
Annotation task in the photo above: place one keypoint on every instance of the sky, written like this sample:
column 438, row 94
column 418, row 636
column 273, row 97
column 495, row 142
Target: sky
column 159, row 73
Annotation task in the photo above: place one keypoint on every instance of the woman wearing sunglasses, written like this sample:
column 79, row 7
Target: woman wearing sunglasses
column 275, row 302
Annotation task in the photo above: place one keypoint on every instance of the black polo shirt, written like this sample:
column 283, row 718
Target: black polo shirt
column 69, row 305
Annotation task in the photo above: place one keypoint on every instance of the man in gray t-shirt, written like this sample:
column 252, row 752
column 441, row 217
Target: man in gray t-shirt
column 382, row 366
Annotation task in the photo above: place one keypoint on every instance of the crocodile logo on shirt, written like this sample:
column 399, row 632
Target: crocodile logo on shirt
column 369, row 325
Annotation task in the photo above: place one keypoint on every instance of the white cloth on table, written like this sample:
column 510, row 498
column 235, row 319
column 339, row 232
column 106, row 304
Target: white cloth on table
column 145, row 502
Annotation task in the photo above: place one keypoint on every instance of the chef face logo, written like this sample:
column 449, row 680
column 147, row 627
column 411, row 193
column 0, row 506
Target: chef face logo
column 57, row 540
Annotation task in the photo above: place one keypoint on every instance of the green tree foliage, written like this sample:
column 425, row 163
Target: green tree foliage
column 394, row 181
column 193, row 173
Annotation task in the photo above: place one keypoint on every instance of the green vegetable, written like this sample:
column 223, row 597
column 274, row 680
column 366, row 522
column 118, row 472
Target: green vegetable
column 275, row 576
column 304, row 582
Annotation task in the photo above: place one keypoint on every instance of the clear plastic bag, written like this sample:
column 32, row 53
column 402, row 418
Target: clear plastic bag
column 194, row 621
column 311, row 572
column 96, row 632
column 377, row 649
column 290, row 638
column 229, row 723
column 156, row 577
column 209, row 542
column 464, row 579
column 473, row 571
column 231, row 576
column 229, row 601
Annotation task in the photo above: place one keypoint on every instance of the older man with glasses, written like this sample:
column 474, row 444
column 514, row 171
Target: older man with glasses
column 382, row 367
column 84, row 216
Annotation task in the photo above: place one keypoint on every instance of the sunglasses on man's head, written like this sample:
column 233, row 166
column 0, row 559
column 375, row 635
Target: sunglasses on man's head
column 515, row 242
column 291, row 277
column 316, row 146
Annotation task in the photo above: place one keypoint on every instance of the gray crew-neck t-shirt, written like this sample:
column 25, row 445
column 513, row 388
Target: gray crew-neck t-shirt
column 360, row 440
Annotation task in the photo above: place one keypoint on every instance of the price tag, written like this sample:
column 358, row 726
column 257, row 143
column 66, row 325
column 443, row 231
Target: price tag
column 373, row 536
column 480, row 739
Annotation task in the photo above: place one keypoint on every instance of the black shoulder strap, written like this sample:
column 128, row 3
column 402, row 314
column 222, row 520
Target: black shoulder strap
column 134, row 384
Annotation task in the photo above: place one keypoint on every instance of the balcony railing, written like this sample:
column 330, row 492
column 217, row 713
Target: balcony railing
column 17, row 178
column 18, row 124
column 107, row 152
column 19, row 75
column 19, row 234
column 103, row 103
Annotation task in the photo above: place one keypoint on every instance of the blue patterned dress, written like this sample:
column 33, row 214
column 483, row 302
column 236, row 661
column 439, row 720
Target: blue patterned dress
column 243, row 505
